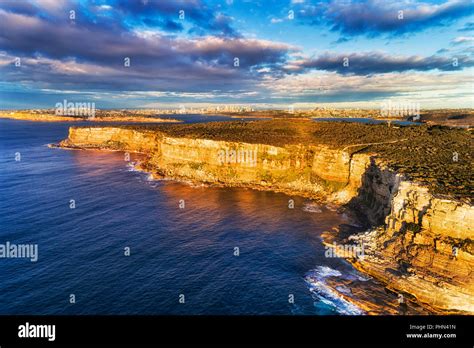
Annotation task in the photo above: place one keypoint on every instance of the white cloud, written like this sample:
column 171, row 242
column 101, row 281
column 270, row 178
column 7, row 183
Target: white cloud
column 425, row 88
column 105, row 7
column 463, row 39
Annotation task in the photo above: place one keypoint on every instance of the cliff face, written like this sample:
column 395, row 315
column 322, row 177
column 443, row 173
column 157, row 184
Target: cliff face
column 112, row 138
column 310, row 171
column 422, row 246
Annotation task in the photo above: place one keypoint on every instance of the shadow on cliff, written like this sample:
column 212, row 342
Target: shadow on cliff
column 373, row 200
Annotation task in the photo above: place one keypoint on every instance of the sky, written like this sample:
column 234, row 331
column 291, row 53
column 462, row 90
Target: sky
column 266, row 54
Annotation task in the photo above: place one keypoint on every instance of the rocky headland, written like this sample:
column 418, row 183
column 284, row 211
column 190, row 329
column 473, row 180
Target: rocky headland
column 412, row 188
column 102, row 116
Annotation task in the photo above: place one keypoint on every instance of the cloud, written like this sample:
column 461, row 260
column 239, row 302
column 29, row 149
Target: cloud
column 374, row 17
column 166, row 15
column 469, row 26
column 341, row 40
column 463, row 39
column 323, row 82
column 366, row 63
column 194, row 57
column 194, row 12
column 22, row 7
column 93, row 57
column 332, row 87
column 165, row 24
column 90, row 52
column 443, row 50
column 105, row 7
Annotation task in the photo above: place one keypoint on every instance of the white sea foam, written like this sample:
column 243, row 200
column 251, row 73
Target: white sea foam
column 312, row 208
column 325, row 271
column 316, row 281
column 131, row 167
column 196, row 185
column 357, row 277
column 343, row 289
column 331, row 207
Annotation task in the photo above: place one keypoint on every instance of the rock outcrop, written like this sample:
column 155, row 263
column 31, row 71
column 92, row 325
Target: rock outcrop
column 423, row 246
column 420, row 245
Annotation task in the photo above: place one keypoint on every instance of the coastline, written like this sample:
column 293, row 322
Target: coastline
column 403, row 243
column 57, row 118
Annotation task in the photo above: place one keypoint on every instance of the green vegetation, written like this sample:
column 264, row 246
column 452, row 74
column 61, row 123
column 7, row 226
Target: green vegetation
column 116, row 145
column 196, row 165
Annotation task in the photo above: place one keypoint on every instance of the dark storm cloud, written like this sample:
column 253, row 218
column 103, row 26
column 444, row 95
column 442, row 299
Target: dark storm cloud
column 374, row 17
column 367, row 63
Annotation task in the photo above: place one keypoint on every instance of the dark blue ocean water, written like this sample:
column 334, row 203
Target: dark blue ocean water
column 174, row 251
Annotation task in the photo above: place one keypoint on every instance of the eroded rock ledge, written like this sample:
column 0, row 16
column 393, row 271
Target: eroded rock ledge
column 420, row 245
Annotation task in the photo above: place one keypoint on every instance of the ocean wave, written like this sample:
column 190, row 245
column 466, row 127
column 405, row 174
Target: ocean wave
column 131, row 167
column 312, row 208
column 142, row 176
column 196, row 184
column 331, row 207
column 316, row 281
column 358, row 277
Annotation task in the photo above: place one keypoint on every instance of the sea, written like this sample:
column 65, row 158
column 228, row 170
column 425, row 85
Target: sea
column 110, row 240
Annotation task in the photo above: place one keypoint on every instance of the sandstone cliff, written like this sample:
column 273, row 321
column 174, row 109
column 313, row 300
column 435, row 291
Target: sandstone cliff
column 306, row 170
column 421, row 246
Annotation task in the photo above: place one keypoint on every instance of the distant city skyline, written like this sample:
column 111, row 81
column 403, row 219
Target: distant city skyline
column 261, row 54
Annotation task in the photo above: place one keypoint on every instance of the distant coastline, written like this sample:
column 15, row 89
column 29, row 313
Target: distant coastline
column 51, row 117
column 463, row 118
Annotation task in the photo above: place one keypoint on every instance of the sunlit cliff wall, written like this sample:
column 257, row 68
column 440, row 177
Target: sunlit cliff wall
column 423, row 246
column 311, row 171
